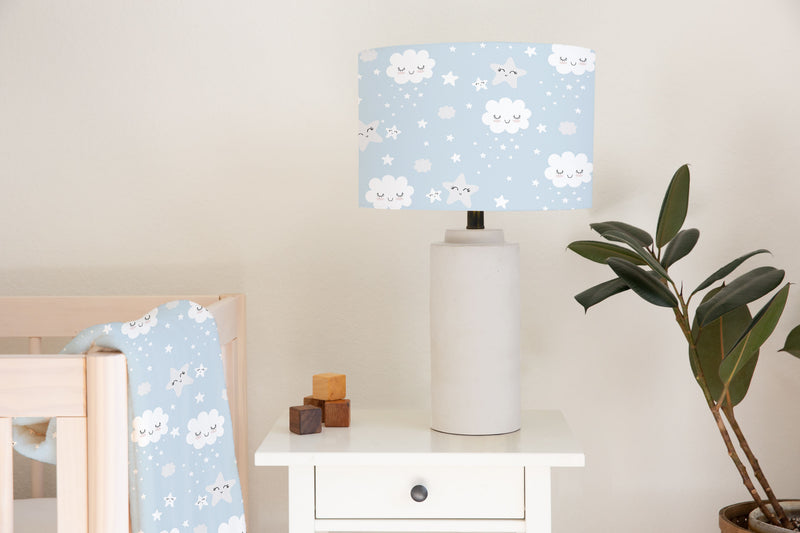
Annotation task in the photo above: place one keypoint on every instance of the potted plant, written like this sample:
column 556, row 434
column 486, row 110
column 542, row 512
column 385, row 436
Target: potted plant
column 722, row 334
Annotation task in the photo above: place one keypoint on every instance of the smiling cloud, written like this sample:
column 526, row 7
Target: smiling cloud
column 575, row 59
column 568, row 169
column 389, row 192
column 149, row 427
column 506, row 115
column 410, row 66
column 205, row 429
column 140, row 326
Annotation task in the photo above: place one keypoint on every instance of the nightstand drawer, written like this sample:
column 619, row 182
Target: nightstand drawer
column 442, row 491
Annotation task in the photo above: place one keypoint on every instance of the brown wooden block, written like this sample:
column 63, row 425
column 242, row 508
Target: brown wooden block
column 310, row 400
column 329, row 386
column 305, row 419
column 337, row 414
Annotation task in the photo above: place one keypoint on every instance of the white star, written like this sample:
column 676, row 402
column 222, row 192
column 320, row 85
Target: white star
column 169, row 500
column 449, row 79
column 483, row 156
column 469, row 106
column 407, row 96
column 178, row 379
column 157, row 515
column 107, row 329
column 531, row 51
column 509, row 179
column 500, row 202
column 483, row 45
column 537, row 151
column 502, row 147
column 185, row 523
column 479, row 84
column 450, row 138
column 201, row 501
column 541, row 128
column 220, row 489
column 422, row 123
column 507, row 72
column 168, row 348
column 578, row 111
column 456, row 158
column 176, row 432
column 387, row 159
column 452, row 48
column 434, row 195
column 460, row 191
column 535, row 183
column 200, row 371
column 200, row 397
column 393, row 132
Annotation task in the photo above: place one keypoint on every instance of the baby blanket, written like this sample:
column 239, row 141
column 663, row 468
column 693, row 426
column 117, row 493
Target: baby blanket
column 182, row 466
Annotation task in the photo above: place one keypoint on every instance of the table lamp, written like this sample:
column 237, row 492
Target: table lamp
column 475, row 127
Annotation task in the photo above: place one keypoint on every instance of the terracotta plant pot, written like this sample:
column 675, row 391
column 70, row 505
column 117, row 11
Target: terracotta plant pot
column 733, row 518
column 756, row 523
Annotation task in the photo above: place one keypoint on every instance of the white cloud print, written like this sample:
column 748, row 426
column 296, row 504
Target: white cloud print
column 149, row 427
column 410, row 66
column 567, row 58
column 205, row 429
column 199, row 313
column 389, row 192
column 446, row 112
column 506, row 115
column 234, row 525
column 568, row 169
column 140, row 326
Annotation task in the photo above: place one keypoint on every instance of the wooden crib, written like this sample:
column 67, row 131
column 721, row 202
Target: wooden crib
column 88, row 395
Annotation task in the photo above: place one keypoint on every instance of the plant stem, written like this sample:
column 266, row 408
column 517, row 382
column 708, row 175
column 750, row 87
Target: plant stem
column 751, row 458
column 681, row 316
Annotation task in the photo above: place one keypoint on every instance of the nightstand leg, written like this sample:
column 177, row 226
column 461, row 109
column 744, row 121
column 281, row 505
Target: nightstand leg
column 301, row 499
column 537, row 499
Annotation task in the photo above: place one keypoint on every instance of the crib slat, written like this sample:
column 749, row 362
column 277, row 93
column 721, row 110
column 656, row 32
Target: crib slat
column 6, row 478
column 34, row 383
column 37, row 468
column 107, row 441
column 71, row 477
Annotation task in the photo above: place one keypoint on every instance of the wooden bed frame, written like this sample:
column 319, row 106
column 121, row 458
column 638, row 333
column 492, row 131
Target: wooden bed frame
column 88, row 396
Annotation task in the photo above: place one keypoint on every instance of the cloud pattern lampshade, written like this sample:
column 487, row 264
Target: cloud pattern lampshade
column 476, row 126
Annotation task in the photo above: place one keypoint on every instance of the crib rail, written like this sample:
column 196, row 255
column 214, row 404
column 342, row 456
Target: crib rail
column 85, row 394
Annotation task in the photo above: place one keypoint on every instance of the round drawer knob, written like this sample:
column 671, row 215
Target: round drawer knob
column 419, row 493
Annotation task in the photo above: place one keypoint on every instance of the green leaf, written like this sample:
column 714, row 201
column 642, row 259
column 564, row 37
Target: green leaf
column 792, row 344
column 727, row 269
column 714, row 341
column 751, row 340
column 651, row 261
column 599, row 252
column 640, row 235
column 674, row 207
column 643, row 283
column 598, row 293
column 680, row 246
column 743, row 290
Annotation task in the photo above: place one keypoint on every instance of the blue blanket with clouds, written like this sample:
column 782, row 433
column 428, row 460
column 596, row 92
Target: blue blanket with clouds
column 182, row 466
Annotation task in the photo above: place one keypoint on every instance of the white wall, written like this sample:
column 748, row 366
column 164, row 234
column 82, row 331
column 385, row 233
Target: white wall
column 180, row 146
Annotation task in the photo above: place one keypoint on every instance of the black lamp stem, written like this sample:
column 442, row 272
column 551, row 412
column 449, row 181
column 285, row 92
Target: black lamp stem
column 475, row 220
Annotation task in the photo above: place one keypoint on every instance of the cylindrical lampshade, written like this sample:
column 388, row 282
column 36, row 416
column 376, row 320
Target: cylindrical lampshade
column 476, row 126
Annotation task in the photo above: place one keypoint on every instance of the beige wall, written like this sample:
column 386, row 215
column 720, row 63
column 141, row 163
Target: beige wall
column 181, row 146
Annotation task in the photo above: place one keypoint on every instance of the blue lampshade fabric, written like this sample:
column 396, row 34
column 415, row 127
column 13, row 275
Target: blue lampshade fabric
column 476, row 126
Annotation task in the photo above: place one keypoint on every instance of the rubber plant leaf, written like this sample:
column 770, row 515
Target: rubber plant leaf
column 680, row 246
column 743, row 290
column 643, row 283
column 640, row 235
column 792, row 344
column 727, row 269
column 648, row 258
column 598, row 293
column 759, row 330
column 599, row 252
column 713, row 342
column 674, row 207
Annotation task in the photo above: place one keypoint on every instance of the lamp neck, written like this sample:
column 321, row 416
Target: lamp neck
column 475, row 220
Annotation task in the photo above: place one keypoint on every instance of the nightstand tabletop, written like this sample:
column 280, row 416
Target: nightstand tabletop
column 404, row 437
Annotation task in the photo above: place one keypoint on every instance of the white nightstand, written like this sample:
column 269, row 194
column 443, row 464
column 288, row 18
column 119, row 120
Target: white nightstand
column 390, row 472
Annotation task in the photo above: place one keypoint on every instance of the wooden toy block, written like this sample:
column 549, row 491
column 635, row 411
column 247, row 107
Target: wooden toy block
column 329, row 386
column 305, row 419
column 310, row 400
column 337, row 414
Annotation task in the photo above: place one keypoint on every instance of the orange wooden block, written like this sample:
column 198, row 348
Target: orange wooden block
column 337, row 414
column 305, row 419
column 329, row 386
column 310, row 400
